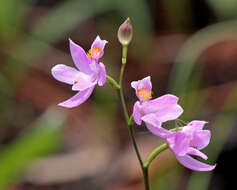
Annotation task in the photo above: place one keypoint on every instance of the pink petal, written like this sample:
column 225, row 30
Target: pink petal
column 154, row 126
column 64, row 73
column 198, row 125
column 161, row 103
column 82, row 82
column 181, row 143
column 80, row 58
column 137, row 113
column 165, row 100
column 140, row 84
column 169, row 113
column 194, row 164
column 201, row 139
column 102, row 74
column 83, row 85
column 144, row 83
column 77, row 99
column 98, row 43
column 134, row 84
column 196, row 152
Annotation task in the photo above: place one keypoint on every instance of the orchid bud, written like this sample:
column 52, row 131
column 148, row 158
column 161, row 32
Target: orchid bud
column 125, row 32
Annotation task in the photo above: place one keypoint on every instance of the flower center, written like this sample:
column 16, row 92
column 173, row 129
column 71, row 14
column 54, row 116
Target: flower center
column 144, row 94
column 94, row 53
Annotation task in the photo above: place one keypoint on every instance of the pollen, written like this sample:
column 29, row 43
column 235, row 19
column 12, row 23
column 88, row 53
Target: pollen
column 144, row 94
column 94, row 53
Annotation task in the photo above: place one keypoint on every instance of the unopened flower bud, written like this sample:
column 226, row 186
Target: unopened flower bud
column 125, row 32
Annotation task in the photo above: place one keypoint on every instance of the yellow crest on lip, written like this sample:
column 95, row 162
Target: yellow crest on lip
column 93, row 53
column 144, row 94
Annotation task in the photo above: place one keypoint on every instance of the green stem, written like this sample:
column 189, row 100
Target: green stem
column 124, row 54
column 154, row 153
column 112, row 82
column 124, row 60
column 146, row 178
column 129, row 121
column 131, row 135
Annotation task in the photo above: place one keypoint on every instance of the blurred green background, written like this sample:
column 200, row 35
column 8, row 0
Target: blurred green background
column 188, row 47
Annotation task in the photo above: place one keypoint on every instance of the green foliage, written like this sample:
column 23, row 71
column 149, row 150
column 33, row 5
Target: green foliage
column 224, row 9
column 198, row 43
column 42, row 138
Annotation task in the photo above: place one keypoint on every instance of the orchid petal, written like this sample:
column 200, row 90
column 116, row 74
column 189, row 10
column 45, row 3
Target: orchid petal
column 197, row 124
column 194, row 164
column 102, row 74
column 82, row 82
column 181, row 143
column 201, row 139
column 134, row 84
column 64, row 73
column 80, row 58
column 144, row 83
column 161, row 103
column 137, row 113
column 98, row 43
column 195, row 152
column 154, row 126
column 165, row 100
column 77, row 99
column 169, row 113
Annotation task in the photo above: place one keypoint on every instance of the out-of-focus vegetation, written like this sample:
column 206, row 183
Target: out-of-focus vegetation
column 43, row 138
column 188, row 49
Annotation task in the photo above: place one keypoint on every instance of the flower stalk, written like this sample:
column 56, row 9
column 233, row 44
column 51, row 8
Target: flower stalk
column 112, row 82
column 124, row 54
column 121, row 88
column 129, row 121
column 155, row 153
column 146, row 178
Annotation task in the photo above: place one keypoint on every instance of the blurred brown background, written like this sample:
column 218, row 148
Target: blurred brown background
column 188, row 47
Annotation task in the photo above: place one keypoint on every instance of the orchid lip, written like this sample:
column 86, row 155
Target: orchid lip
column 94, row 53
column 144, row 94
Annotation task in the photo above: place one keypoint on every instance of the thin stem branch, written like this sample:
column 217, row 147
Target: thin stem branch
column 155, row 153
column 181, row 121
column 112, row 82
column 131, row 121
column 176, row 129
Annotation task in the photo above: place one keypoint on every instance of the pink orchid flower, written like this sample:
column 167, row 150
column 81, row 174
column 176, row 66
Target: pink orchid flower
column 154, row 112
column 189, row 141
column 88, row 73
